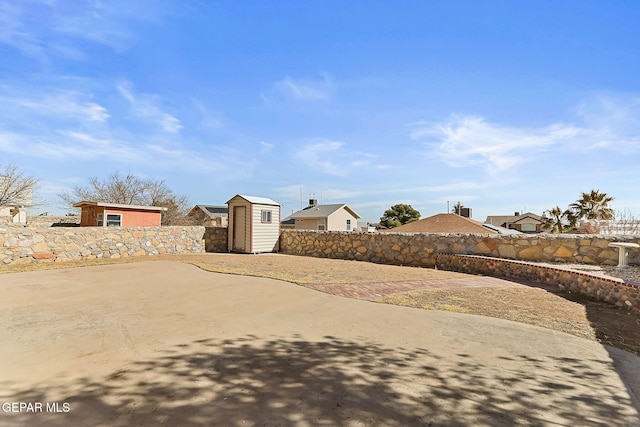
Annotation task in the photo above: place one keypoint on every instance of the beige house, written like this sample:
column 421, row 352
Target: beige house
column 17, row 211
column 335, row 217
column 254, row 224
column 525, row 223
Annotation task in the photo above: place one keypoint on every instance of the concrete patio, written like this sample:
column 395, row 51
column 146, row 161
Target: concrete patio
column 165, row 343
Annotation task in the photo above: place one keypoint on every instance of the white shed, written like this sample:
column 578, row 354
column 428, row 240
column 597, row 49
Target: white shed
column 254, row 224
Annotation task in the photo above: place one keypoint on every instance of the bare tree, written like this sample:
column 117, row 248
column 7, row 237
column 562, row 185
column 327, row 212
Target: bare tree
column 16, row 188
column 132, row 190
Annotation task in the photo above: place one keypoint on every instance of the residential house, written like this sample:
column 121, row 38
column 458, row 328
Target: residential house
column 525, row 223
column 16, row 212
column 99, row 214
column 334, row 217
column 448, row 223
column 210, row 215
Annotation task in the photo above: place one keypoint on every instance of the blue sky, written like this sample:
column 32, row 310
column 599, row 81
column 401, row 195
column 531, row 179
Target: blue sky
column 502, row 105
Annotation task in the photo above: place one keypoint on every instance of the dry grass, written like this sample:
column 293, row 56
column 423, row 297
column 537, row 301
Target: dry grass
column 567, row 313
column 532, row 306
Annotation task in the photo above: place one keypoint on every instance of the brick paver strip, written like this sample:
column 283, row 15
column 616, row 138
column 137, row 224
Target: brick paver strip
column 376, row 291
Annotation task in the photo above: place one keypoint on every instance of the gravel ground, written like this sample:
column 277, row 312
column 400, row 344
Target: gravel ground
column 629, row 274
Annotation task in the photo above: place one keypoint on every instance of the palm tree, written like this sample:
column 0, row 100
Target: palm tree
column 593, row 205
column 558, row 221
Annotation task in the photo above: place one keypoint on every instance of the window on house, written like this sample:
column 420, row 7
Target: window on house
column 265, row 217
column 100, row 220
column 348, row 225
column 322, row 225
column 114, row 220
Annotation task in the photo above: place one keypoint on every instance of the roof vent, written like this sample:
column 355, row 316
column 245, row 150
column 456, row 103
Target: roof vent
column 517, row 214
column 313, row 202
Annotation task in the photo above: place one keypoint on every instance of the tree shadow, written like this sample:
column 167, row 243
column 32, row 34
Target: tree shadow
column 276, row 381
column 613, row 325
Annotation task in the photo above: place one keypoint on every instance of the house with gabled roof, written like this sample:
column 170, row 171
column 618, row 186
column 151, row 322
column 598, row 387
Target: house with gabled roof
column 448, row 223
column 525, row 223
column 210, row 215
column 332, row 217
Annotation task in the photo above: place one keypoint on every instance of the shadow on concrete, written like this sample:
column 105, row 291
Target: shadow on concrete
column 614, row 326
column 292, row 381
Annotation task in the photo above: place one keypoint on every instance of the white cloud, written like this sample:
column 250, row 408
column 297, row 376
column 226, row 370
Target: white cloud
column 332, row 158
column 463, row 141
column 57, row 104
column 470, row 140
column 43, row 29
column 322, row 155
column 266, row 146
column 304, row 89
column 610, row 121
column 146, row 107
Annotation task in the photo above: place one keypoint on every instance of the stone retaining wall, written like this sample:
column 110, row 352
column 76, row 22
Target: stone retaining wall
column 20, row 244
column 608, row 289
column 215, row 239
column 421, row 249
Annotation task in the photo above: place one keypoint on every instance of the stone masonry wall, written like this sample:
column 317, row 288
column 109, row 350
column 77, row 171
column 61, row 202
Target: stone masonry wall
column 609, row 289
column 215, row 239
column 20, row 244
column 421, row 249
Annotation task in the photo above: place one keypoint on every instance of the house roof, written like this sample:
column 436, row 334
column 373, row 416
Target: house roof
column 446, row 223
column 322, row 211
column 118, row 206
column 510, row 219
column 288, row 221
column 213, row 211
column 256, row 200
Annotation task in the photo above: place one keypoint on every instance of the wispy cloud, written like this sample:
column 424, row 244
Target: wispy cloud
column 304, row 89
column 104, row 23
column 471, row 140
column 209, row 119
column 54, row 104
column 610, row 121
column 14, row 33
column 322, row 154
column 147, row 107
column 266, row 146
column 42, row 28
column 461, row 141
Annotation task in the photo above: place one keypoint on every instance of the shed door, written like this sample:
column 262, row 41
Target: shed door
column 239, row 228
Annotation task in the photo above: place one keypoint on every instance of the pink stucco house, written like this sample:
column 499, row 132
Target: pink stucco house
column 99, row 214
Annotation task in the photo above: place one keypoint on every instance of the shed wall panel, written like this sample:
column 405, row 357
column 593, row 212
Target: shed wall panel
column 265, row 235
